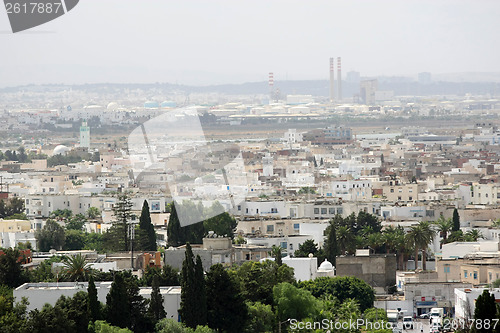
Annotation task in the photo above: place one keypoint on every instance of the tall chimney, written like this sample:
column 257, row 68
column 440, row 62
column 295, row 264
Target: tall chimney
column 271, row 87
column 332, row 80
column 339, row 78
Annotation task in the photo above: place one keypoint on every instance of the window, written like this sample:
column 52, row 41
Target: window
column 291, row 246
column 399, row 197
column 323, row 211
column 490, row 275
column 331, row 211
column 465, row 274
column 257, row 211
column 270, row 228
column 446, row 268
column 410, row 198
column 316, row 210
column 475, row 275
column 239, row 207
column 392, row 190
column 296, row 226
column 340, row 211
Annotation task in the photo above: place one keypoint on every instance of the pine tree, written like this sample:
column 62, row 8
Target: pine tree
column 94, row 306
column 456, row 220
column 122, row 211
column 156, row 310
column 117, row 303
column 147, row 235
column 175, row 233
column 227, row 310
column 331, row 248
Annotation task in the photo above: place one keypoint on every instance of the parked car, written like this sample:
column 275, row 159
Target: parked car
column 424, row 316
column 408, row 323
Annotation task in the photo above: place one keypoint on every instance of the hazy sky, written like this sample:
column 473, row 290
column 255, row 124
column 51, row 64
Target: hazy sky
column 234, row 41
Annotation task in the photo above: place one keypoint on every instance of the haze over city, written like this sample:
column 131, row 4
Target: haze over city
column 201, row 43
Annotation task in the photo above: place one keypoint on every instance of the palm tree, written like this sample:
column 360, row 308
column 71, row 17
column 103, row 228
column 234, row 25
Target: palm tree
column 345, row 239
column 374, row 241
column 429, row 233
column 390, row 236
column 76, row 269
column 402, row 246
column 421, row 235
column 473, row 235
column 276, row 254
column 444, row 226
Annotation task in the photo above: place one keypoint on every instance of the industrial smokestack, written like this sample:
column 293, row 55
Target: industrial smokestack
column 271, row 87
column 339, row 78
column 332, row 80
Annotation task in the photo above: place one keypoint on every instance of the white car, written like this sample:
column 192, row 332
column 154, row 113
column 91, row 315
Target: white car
column 408, row 323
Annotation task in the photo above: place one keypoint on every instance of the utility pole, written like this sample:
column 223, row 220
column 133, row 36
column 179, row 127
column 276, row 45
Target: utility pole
column 131, row 236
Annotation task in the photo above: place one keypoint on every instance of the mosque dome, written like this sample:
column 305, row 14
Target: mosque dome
column 60, row 150
column 325, row 266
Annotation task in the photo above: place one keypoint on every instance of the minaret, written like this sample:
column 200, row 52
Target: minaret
column 85, row 135
column 267, row 165
column 332, row 80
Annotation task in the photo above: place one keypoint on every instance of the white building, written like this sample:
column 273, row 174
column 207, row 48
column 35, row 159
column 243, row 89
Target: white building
column 465, row 301
column 292, row 136
column 461, row 249
column 39, row 294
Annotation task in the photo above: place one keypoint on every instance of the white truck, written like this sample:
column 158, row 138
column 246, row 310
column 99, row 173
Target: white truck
column 436, row 316
column 393, row 317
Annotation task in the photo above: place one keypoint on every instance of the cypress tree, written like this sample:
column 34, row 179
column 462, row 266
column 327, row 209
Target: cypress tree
column 485, row 310
column 227, row 310
column 331, row 249
column 117, row 303
column 175, row 233
column 147, row 235
column 94, row 306
column 189, row 299
column 156, row 310
column 456, row 220
column 201, row 291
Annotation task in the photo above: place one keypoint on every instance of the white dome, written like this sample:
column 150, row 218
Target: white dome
column 325, row 266
column 112, row 106
column 61, row 149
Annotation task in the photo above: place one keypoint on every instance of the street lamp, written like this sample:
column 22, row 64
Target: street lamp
column 282, row 322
